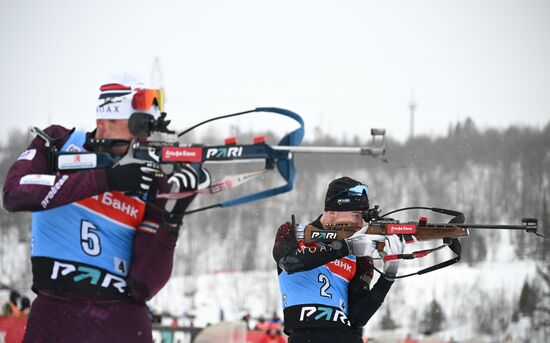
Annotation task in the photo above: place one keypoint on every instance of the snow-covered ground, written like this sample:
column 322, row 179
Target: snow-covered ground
column 463, row 291
column 210, row 251
column 459, row 289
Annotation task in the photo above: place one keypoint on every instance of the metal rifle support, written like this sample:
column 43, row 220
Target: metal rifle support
column 376, row 149
column 49, row 142
column 530, row 225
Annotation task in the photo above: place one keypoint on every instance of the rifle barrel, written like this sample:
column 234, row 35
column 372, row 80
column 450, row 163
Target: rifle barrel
column 492, row 226
column 373, row 151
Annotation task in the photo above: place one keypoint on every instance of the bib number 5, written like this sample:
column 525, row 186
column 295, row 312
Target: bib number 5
column 89, row 240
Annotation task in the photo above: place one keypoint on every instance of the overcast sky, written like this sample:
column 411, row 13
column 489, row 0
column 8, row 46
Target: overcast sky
column 345, row 66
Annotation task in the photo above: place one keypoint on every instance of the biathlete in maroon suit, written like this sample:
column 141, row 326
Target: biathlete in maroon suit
column 97, row 254
column 325, row 289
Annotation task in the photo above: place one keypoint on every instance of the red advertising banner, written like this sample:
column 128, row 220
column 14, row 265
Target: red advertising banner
column 12, row 329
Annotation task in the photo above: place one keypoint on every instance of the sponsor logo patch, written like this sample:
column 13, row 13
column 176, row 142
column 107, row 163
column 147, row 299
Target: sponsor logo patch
column 177, row 154
column 53, row 191
column 77, row 161
column 38, row 179
column 322, row 313
column 27, row 155
column 108, row 108
column 88, row 275
column 224, row 153
column 343, row 268
column 324, row 235
column 115, row 205
column 401, row 229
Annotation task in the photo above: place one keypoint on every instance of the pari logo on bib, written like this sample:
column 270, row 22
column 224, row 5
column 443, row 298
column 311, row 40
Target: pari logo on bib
column 123, row 94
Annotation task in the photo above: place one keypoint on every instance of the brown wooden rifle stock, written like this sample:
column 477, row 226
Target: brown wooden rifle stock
column 421, row 230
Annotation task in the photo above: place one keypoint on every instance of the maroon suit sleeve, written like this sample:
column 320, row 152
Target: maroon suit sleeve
column 30, row 195
column 152, row 261
column 152, row 253
column 292, row 258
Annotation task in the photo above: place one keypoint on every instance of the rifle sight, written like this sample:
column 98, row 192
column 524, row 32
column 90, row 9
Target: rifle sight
column 143, row 124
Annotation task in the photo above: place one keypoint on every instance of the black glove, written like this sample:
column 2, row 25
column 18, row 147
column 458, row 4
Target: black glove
column 184, row 179
column 133, row 177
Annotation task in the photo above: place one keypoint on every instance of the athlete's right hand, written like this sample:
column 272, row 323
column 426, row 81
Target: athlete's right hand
column 361, row 244
column 133, row 177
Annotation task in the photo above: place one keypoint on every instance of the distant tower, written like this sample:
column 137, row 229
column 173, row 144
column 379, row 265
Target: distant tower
column 412, row 108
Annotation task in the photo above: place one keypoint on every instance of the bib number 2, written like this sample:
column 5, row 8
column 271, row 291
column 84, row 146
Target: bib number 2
column 322, row 278
column 89, row 240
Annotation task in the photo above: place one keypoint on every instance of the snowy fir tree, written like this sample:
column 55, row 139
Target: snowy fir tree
column 433, row 318
column 387, row 322
column 542, row 307
column 527, row 300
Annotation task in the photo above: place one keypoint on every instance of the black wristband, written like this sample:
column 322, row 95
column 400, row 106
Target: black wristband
column 174, row 218
column 170, row 228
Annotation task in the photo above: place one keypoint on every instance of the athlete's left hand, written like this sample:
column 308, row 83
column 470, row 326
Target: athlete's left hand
column 184, row 179
column 394, row 246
